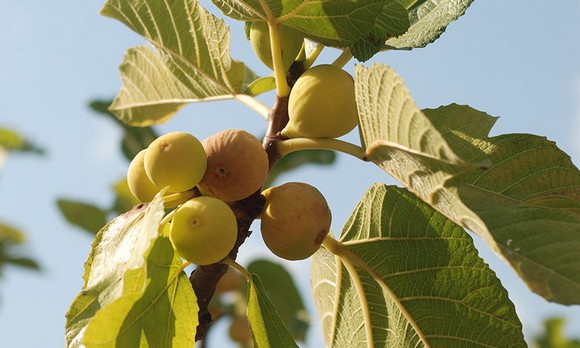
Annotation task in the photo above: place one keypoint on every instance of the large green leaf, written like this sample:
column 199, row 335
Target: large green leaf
column 84, row 215
column 403, row 275
column 525, row 206
column 429, row 19
column 135, row 290
column 191, row 63
column 362, row 24
column 268, row 328
column 284, row 295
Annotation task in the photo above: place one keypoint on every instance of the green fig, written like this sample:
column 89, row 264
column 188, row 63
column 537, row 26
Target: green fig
column 322, row 104
column 290, row 41
column 204, row 230
column 176, row 160
column 139, row 183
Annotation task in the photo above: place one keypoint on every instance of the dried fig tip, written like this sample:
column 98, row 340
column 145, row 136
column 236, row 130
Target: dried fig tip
column 237, row 165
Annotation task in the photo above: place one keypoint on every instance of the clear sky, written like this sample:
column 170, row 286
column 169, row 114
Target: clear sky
column 516, row 59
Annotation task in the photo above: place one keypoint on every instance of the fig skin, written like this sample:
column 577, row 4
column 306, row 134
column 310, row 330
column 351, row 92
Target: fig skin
column 237, row 165
column 290, row 41
column 139, row 183
column 204, row 230
column 230, row 281
column 322, row 104
column 240, row 329
column 295, row 220
column 176, row 160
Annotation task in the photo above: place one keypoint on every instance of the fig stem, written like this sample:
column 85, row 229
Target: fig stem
column 253, row 104
column 230, row 262
column 282, row 88
column 175, row 199
column 291, row 145
column 312, row 56
column 344, row 58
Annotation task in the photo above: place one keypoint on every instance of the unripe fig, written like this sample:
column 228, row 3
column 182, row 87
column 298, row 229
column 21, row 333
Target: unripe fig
column 237, row 165
column 139, row 183
column 322, row 104
column 240, row 329
column 176, row 160
column 290, row 41
column 295, row 220
column 204, row 230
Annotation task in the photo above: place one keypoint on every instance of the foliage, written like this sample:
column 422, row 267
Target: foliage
column 403, row 272
column 554, row 336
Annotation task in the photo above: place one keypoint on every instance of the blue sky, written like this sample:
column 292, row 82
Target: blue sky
column 518, row 59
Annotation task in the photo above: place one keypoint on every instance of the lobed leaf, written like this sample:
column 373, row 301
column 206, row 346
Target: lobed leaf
column 428, row 20
column 403, row 275
column 268, row 328
column 525, row 205
column 191, row 62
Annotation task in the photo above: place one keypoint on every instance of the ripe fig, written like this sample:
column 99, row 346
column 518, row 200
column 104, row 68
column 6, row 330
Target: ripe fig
column 230, row 281
column 237, row 165
column 240, row 329
column 290, row 41
column 139, row 183
column 204, row 230
column 295, row 220
column 322, row 104
column 176, row 160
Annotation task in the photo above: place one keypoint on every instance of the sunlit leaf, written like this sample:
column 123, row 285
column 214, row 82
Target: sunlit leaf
column 526, row 206
column 11, row 241
column 429, row 19
column 84, row 215
column 268, row 328
column 406, row 276
column 191, row 61
column 332, row 23
column 284, row 295
column 554, row 336
column 261, row 85
column 117, row 274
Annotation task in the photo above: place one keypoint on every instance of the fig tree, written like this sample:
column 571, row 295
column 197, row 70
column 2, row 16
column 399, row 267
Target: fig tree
column 204, row 230
column 237, row 165
column 290, row 43
column 322, row 104
column 176, row 160
column 295, row 220
column 139, row 183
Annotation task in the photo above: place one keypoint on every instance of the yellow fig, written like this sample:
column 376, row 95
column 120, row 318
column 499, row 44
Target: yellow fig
column 322, row 104
column 176, row 160
column 290, row 41
column 139, row 183
column 204, row 230
column 295, row 220
column 237, row 165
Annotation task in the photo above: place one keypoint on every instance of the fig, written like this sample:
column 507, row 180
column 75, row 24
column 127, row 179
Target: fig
column 290, row 44
column 295, row 220
column 176, row 160
column 240, row 329
column 230, row 281
column 237, row 165
column 204, row 230
column 139, row 183
column 322, row 104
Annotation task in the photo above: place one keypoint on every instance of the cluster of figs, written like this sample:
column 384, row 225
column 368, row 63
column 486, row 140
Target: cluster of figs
column 231, row 165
